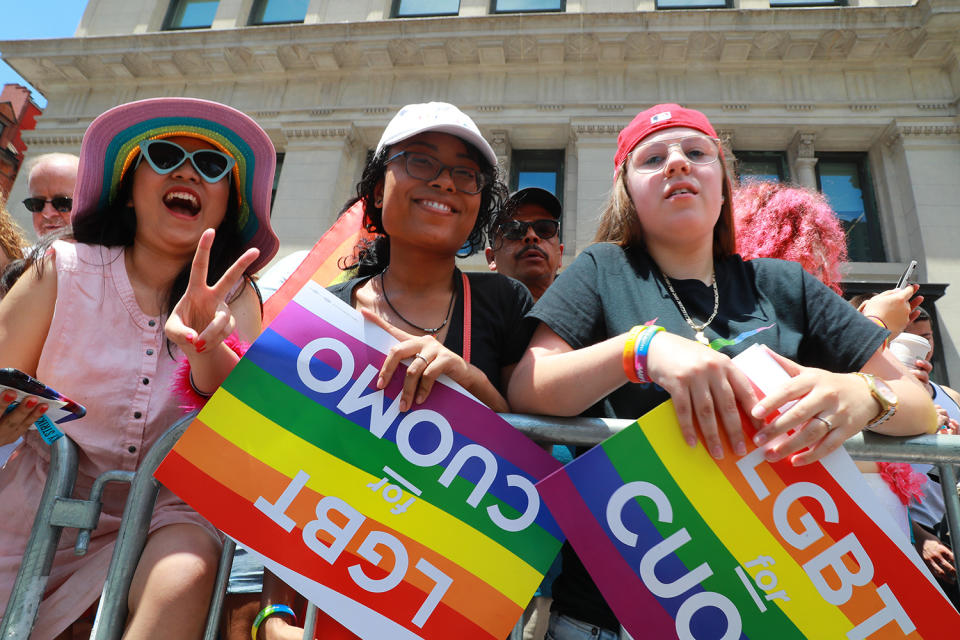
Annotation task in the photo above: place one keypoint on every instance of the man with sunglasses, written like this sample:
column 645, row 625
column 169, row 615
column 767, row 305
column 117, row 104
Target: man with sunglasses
column 525, row 239
column 50, row 183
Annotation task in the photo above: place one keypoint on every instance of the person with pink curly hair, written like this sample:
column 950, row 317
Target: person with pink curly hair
column 777, row 220
column 789, row 222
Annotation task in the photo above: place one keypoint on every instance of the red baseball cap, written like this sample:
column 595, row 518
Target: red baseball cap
column 662, row 116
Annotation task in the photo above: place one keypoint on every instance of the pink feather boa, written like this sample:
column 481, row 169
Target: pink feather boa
column 189, row 399
column 903, row 480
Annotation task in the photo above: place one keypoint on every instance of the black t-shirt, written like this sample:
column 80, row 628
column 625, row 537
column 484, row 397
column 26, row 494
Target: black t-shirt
column 609, row 289
column 499, row 331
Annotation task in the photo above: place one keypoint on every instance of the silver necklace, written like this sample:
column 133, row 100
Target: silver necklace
column 446, row 318
column 697, row 328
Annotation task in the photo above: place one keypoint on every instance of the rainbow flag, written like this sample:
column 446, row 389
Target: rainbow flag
column 322, row 264
column 422, row 524
column 685, row 546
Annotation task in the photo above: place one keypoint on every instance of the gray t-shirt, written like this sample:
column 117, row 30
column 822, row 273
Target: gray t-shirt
column 609, row 289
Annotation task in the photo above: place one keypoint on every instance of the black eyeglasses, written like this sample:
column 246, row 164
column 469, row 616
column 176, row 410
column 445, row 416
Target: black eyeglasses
column 424, row 167
column 164, row 156
column 63, row 204
column 517, row 229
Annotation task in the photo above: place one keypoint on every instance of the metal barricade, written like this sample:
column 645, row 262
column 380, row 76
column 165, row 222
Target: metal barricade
column 58, row 510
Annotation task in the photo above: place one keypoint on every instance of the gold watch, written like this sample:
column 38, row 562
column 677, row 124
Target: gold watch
column 884, row 395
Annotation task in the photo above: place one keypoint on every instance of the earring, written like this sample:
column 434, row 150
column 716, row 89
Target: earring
column 378, row 203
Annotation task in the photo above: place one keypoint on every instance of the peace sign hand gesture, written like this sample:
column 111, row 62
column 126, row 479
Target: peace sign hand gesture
column 201, row 319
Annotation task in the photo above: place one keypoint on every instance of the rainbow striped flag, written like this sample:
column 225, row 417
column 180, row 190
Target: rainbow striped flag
column 421, row 524
column 685, row 546
column 322, row 263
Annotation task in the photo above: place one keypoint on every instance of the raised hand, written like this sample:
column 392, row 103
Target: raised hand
column 895, row 307
column 202, row 319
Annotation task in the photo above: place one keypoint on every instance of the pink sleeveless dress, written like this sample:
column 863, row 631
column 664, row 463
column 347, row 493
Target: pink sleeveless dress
column 105, row 353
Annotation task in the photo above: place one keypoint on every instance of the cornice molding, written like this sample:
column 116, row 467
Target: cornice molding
column 736, row 39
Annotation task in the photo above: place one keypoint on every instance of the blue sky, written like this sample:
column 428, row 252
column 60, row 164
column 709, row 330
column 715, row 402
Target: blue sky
column 37, row 19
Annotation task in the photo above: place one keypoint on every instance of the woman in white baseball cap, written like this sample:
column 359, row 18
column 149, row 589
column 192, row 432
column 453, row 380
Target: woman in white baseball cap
column 429, row 193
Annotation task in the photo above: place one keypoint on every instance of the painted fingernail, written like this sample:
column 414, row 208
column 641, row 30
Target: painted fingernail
column 200, row 344
column 9, row 396
column 190, row 338
column 31, row 403
column 43, row 409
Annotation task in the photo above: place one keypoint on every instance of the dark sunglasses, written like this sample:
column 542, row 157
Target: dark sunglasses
column 423, row 167
column 63, row 204
column 517, row 229
column 164, row 156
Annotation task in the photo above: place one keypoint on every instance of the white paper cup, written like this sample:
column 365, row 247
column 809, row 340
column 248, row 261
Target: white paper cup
column 908, row 348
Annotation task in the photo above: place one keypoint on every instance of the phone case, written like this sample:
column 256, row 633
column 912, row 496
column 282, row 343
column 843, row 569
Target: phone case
column 62, row 409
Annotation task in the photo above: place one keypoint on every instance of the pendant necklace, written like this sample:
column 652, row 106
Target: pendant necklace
column 697, row 328
column 446, row 319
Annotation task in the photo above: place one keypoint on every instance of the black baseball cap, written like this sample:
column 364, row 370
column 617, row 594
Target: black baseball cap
column 535, row 195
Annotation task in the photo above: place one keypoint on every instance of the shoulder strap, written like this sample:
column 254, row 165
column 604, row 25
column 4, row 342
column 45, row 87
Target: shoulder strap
column 466, row 317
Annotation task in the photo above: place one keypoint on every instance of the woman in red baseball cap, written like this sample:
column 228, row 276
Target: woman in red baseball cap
column 655, row 309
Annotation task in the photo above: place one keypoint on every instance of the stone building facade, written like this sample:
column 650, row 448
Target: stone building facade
column 859, row 98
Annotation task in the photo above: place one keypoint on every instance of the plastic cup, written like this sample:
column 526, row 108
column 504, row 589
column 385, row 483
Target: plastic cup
column 908, row 348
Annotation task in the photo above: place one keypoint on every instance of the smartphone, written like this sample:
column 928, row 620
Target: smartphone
column 908, row 274
column 61, row 408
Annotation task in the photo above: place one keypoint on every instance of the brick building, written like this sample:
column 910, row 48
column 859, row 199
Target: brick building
column 18, row 113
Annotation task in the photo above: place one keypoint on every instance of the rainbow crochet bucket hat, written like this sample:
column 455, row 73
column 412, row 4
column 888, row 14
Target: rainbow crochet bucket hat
column 111, row 145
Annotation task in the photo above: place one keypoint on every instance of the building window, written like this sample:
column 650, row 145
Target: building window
column 770, row 166
column 542, row 169
column 844, row 178
column 421, row 8
column 278, row 11
column 522, row 6
column 694, row 4
column 190, row 14
column 276, row 179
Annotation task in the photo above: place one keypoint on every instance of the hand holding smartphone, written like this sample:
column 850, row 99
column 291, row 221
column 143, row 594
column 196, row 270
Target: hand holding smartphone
column 908, row 277
column 60, row 408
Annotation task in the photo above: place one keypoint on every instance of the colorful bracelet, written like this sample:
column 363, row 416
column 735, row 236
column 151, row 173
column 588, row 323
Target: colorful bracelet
column 640, row 356
column 879, row 322
column 628, row 353
column 268, row 611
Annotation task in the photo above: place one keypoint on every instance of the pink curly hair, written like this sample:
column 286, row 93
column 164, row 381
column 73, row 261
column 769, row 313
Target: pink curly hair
column 776, row 220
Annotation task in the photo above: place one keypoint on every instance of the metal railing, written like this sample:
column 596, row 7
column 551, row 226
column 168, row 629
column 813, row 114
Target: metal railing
column 57, row 510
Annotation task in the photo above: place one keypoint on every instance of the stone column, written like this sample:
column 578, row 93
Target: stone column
column 595, row 146
column 316, row 179
column 801, row 155
column 500, row 141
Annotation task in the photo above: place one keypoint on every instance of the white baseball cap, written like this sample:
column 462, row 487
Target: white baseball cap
column 435, row 116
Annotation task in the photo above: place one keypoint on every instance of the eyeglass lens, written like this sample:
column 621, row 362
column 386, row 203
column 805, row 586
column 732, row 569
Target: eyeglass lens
column 517, row 229
column 62, row 204
column 424, row 167
column 651, row 157
column 166, row 156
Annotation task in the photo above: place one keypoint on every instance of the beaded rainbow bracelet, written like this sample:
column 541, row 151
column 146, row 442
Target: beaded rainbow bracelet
column 269, row 610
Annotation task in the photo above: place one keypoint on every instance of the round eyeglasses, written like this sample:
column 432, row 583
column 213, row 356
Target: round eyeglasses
column 652, row 156
column 425, row 167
